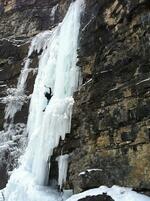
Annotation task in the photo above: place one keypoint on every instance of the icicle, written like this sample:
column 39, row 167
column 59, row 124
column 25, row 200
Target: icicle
column 62, row 167
column 53, row 12
column 16, row 100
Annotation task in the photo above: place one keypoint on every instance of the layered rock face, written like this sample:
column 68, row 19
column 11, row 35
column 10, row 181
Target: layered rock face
column 112, row 109
column 20, row 18
column 110, row 138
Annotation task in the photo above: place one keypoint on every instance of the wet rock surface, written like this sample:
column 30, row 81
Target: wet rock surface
column 4, row 176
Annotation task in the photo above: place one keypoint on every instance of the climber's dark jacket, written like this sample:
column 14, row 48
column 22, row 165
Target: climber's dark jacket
column 48, row 95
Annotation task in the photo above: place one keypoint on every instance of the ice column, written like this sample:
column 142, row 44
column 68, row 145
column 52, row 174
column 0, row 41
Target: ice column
column 62, row 167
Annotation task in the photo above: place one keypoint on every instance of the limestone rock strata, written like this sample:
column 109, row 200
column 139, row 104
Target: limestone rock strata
column 111, row 113
column 25, row 18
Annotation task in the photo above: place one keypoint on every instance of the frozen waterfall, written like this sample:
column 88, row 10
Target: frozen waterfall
column 14, row 101
column 16, row 96
column 57, row 69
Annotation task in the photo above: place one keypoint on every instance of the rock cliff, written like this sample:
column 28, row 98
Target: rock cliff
column 111, row 113
column 110, row 138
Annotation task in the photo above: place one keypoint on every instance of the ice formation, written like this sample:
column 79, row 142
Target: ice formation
column 57, row 69
column 62, row 167
column 13, row 137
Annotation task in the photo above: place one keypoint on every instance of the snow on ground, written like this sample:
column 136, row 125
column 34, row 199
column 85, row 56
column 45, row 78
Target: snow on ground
column 117, row 193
